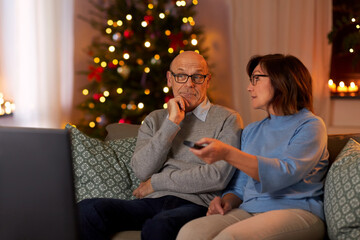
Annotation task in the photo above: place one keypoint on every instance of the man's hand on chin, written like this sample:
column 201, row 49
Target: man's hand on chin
column 176, row 109
column 144, row 189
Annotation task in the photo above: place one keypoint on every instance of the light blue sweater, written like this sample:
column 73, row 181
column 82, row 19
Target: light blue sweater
column 293, row 159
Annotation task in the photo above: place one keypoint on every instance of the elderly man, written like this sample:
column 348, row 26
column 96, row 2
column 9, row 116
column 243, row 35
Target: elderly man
column 176, row 185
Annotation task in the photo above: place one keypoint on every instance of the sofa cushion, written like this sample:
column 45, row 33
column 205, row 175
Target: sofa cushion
column 342, row 194
column 101, row 168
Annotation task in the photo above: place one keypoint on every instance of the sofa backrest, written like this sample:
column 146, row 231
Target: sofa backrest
column 121, row 130
column 335, row 141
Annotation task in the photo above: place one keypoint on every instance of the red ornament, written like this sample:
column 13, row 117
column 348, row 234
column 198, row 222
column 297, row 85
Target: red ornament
column 176, row 40
column 167, row 98
column 148, row 19
column 97, row 96
column 128, row 33
column 111, row 65
column 123, row 120
column 95, row 72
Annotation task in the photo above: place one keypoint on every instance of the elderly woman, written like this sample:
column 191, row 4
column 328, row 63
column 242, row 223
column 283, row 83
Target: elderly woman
column 277, row 190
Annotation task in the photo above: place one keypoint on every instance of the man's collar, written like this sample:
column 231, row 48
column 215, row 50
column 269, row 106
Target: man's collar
column 202, row 110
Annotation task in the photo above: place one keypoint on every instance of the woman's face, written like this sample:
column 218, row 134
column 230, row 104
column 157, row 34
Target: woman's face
column 262, row 91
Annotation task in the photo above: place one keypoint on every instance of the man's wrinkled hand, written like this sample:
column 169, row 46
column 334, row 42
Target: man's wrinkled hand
column 144, row 189
column 176, row 109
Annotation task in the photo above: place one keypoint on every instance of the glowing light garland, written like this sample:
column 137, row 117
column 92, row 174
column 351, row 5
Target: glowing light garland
column 6, row 107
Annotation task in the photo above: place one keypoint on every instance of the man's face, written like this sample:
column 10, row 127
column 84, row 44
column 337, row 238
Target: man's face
column 189, row 63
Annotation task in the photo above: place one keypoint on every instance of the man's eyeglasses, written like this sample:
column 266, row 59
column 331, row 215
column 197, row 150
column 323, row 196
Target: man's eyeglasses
column 195, row 78
column 255, row 78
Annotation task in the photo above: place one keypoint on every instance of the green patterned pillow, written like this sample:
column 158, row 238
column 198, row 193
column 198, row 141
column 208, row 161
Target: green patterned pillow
column 342, row 194
column 101, row 168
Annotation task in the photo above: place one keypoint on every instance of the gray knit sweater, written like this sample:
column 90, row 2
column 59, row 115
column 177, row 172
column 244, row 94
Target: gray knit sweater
column 161, row 155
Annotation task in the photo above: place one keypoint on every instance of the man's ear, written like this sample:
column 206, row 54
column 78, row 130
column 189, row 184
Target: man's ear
column 168, row 78
column 208, row 80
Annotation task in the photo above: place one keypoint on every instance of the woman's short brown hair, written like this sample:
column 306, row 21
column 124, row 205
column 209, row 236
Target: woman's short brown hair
column 290, row 79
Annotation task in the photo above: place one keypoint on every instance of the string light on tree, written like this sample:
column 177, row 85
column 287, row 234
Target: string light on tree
column 166, row 89
column 140, row 105
column 106, row 93
column 181, row 3
column 119, row 90
column 126, row 56
column 92, row 124
column 144, row 24
column 85, row 92
column 147, row 44
column 111, row 49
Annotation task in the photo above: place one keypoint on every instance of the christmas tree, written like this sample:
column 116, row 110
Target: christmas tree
column 129, row 59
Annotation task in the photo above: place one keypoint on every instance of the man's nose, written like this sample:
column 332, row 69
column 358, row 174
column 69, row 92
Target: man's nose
column 190, row 82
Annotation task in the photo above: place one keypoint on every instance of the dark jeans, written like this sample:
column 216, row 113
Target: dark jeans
column 157, row 218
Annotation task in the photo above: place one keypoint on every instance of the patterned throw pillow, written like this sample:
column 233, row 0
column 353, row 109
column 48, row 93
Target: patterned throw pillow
column 101, row 168
column 342, row 194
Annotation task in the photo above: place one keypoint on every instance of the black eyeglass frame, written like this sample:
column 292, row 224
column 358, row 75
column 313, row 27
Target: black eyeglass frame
column 254, row 81
column 187, row 77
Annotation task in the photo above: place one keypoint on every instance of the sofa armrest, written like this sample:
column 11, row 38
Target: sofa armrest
column 336, row 142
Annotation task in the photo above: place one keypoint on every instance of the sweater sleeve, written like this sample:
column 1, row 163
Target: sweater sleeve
column 301, row 159
column 152, row 149
column 237, row 184
column 202, row 178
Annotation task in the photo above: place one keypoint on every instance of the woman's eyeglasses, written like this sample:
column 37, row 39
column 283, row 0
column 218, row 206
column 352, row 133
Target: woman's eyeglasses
column 255, row 78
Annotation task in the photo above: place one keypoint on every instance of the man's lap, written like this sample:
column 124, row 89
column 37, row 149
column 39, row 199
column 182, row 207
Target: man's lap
column 115, row 215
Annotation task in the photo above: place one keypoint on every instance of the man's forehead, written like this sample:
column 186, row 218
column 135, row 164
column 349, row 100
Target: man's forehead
column 184, row 63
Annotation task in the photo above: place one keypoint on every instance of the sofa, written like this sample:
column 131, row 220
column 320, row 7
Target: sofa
column 102, row 169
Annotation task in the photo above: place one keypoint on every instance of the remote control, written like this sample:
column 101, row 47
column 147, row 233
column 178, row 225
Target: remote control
column 193, row 145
